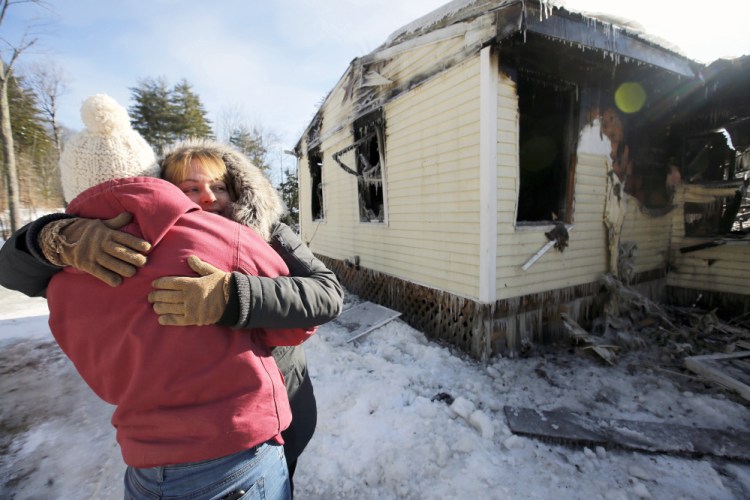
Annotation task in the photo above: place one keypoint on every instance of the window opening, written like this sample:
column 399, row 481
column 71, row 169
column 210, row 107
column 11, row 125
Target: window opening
column 548, row 112
column 368, row 130
column 711, row 160
column 315, row 161
column 369, row 158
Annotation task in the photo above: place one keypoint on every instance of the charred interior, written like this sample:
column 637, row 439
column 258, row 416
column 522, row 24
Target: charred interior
column 548, row 112
column 563, row 87
column 715, row 121
column 369, row 137
column 315, row 161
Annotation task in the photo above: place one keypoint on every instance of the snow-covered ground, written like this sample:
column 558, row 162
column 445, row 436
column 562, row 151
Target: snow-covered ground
column 382, row 433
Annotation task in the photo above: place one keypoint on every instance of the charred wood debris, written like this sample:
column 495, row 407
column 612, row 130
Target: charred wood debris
column 668, row 334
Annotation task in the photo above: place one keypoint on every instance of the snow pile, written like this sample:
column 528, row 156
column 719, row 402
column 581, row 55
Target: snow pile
column 399, row 417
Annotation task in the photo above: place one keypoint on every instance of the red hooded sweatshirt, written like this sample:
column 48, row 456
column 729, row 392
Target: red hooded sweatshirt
column 183, row 394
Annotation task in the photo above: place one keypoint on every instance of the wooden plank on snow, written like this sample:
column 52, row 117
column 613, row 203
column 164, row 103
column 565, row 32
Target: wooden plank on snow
column 565, row 427
column 365, row 317
column 729, row 370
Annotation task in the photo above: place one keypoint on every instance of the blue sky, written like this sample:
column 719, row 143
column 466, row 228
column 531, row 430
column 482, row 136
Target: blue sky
column 273, row 61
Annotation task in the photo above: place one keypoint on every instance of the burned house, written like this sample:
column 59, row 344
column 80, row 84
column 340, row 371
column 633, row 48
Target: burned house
column 483, row 169
column 710, row 247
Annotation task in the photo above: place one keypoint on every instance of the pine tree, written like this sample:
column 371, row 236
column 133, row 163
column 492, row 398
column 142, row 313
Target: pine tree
column 35, row 152
column 152, row 114
column 290, row 194
column 164, row 116
column 188, row 112
column 28, row 124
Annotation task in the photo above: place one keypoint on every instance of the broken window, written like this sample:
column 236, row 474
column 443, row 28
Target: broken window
column 721, row 215
column 711, row 161
column 315, row 161
column 709, row 158
column 370, row 140
column 365, row 158
column 548, row 113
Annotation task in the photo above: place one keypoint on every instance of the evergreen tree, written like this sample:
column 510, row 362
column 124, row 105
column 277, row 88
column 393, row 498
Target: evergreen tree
column 189, row 114
column 35, row 152
column 29, row 133
column 164, row 116
column 289, row 188
column 152, row 114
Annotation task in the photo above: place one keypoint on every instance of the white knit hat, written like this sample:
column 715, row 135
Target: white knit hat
column 108, row 148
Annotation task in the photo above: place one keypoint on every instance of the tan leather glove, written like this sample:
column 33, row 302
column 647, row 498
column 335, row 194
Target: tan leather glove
column 182, row 301
column 95, row 247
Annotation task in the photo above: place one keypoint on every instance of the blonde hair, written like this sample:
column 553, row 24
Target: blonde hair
column 175, row 166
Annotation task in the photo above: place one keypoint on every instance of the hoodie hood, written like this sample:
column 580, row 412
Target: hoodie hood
column 258, row 204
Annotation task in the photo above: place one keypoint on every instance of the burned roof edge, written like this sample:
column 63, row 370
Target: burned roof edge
column 617, row 36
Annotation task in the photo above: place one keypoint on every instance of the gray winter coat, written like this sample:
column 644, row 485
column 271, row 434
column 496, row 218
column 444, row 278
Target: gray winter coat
column 310, row 296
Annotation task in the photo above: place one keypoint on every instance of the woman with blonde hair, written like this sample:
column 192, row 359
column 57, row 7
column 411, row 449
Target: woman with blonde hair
column 221, row 180
column 39, row 251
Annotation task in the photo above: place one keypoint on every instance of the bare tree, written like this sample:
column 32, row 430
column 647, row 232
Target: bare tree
column 48, row 82
column 231, row 118
column 249, row 136
column 6, row 130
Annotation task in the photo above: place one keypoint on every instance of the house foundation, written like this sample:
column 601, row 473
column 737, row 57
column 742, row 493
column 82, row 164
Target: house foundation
column 508, row 327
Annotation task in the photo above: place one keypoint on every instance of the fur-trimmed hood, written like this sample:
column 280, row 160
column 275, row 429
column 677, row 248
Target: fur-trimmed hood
column 258, row 204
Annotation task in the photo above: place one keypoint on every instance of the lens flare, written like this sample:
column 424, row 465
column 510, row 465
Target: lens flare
column 630, row 97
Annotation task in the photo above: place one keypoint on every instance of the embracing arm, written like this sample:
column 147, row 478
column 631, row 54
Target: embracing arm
column 23, row 267
column 310, row 296
column 37, row 251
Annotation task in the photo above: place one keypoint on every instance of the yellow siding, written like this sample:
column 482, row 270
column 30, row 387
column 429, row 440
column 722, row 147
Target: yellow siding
column 586, row 257
column 400, row 69
column 432, row 186
column 422, row 59
column 431, row 235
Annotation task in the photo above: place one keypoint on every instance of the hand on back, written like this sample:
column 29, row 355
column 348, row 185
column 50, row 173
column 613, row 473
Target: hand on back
column 182, row 300
column 95, row 246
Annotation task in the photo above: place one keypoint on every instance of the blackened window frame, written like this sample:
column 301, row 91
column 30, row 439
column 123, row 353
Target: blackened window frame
column 369, row 135
column 315, row 164
column 556, row 115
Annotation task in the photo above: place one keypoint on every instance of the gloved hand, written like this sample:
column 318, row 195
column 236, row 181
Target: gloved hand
column 95, row 247
column 181, row 300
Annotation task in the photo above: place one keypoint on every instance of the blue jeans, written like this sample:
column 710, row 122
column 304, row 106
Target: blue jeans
column 260, row 472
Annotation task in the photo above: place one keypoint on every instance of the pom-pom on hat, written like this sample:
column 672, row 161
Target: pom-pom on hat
column 108, row 148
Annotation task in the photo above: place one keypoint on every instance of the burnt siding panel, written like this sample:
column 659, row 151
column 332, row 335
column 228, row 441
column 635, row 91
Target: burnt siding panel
column 722, row 269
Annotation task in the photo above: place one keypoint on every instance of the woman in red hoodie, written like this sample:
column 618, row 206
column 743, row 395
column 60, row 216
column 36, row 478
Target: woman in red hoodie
column 187, row 424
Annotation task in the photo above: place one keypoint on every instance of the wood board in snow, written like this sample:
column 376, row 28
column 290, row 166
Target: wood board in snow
column 365, row 317
column 729, row 370
column 565, row 427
